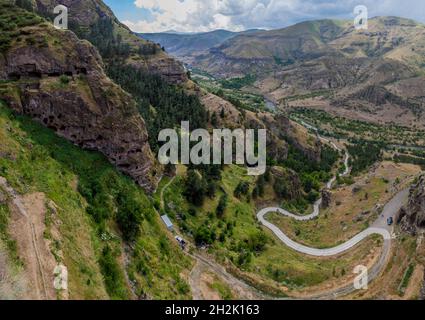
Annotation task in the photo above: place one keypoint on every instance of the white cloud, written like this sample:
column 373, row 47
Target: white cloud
column 205, row 15
column 181, row 15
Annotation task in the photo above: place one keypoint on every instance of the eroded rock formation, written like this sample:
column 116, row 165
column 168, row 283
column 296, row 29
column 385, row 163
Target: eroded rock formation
column 64, row 87
column 287, row 183
column 412, row 216
column 84, row 15
column 326, row 198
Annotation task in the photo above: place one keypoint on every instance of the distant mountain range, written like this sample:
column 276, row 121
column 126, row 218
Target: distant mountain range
column 375, row 74
column 189, row 44
column 393, row 38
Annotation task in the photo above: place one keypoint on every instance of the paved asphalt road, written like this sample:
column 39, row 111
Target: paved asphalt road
column 380, row 227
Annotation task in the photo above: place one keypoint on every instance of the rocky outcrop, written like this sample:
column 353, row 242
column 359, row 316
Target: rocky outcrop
column 287, row 184
column 161, row 64
column 412, row 216
column 85, row 14
column 277, row 148
column 298, row 137
column 379, row 96
column 280, row 129
column 326, row 198
column 62, row 85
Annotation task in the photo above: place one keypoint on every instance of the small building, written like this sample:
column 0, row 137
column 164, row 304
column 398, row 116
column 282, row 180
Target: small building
column 167, row 222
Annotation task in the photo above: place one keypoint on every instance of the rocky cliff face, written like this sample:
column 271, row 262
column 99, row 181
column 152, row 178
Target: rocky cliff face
column 277, row 148
column 287, row 183
column 84, row 15
column 298, row 136
column 59, row 81
column 279, row 127
column 326, row 198
column 412, row 216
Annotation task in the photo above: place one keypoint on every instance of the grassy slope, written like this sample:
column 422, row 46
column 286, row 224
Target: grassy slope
column 34, row 159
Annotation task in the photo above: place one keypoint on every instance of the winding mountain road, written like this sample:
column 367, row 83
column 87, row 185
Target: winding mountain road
column 380, row 227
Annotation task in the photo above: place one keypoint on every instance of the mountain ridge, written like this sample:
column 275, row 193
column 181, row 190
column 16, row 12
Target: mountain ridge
column 310, row 39
column 183, row 45
column 85, row 16
column 327, row 62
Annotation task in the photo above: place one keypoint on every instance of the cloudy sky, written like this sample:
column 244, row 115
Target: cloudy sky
column 236, row 15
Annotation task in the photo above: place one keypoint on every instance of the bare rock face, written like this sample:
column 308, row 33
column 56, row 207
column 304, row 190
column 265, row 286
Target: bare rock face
column 277, row 148
column 163, row 65
column 62, row 85
column 312, row 150
column 82, row 12
column 287, row 183
column 326, row 198
column 85, row 14
column 279, row 127
column 412, row 216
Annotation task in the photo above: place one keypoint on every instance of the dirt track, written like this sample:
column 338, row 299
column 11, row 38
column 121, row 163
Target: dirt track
column 27, row 226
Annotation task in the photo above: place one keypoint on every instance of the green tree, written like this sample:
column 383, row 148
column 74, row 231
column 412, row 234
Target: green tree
column 242, row 189
column 129, row 216
column 222, row 205
column 24, row 4
column 205, row 235
column 195, row 188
